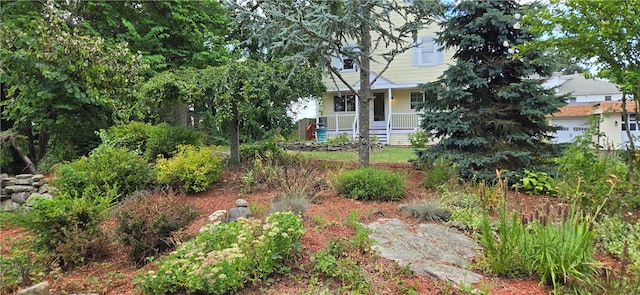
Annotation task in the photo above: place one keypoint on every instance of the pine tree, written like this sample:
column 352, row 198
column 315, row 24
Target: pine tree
column 486, row 110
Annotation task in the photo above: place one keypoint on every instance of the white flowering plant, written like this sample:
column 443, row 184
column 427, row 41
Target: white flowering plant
column 224, row 257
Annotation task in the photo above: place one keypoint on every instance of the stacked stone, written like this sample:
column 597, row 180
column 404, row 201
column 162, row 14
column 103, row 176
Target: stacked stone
column 15, row 191
column 337, row 147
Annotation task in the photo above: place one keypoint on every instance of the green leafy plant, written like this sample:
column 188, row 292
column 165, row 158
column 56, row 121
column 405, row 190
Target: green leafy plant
column 132, row 136
column 192, row 169
column 22, row 265
column 335, row 262
column 106, row 169
column 165, row 140
column 371, row 184
column 538, row 183
column 224, row 257
column 67, row 227
column 340, row 139
column 436, row 174
column 260, row 150
column 419, row 139
column 558, row 251
column 147, row 221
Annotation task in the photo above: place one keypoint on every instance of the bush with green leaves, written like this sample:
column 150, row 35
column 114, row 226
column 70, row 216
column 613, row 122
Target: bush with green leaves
column 22, row 266
column 557, row 251
column 133, row 136
column 260, row 150
column 67, row 226
column 613, row 234
column 586, row 175
column 191, row 169
column 437, row 173
column 107, row 169
column 538, row 183
column 165, row 139
column 224, row 257
column 147, row 221
column 335, row 262
column 371, row 184
column 419, row 139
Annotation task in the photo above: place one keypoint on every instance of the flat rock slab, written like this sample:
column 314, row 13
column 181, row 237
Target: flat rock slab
column 432, row 249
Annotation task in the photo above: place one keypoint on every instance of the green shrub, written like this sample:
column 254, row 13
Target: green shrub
column 192, row 169
column 260, row 150
column 419, row 139
column 586, row 175
column 224, row 257
column 558, row 252
column 106, row 169
column 22, row 266
column 613, row 233
column 371, row 184
column 538, row 183
column 335, row 262
column 437, row 174
column 132, row 136
column 165, row 139
column 67, row 227
column 147, row 221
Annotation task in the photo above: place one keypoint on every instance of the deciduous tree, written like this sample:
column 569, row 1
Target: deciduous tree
column 605, row 35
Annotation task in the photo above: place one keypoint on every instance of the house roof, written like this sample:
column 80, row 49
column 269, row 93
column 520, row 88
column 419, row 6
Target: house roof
column 575, row 110
column 577, row 84
column 616, row 106
column 589, row 108
column 381, row 83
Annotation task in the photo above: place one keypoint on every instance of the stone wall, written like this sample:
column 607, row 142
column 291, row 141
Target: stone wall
column 15, row 191
column 325, row 146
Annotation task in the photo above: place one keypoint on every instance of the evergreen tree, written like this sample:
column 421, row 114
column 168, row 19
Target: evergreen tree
column 486, row 110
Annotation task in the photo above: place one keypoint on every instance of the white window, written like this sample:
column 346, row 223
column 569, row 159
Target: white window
column 344, row 103
column 346, row 62
column 416, row 99
column 607, row 98
column 632, row 122
column 428, row 52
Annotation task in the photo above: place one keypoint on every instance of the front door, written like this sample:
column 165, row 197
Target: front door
column 379, row 116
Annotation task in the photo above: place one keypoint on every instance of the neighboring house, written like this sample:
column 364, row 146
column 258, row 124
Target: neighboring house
column 394, row 95
column 593, row 97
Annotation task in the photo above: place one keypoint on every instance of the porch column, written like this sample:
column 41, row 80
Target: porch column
column 389, row 117
column 354, row 125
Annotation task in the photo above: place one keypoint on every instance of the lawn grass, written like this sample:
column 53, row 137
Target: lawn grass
column 387, row 155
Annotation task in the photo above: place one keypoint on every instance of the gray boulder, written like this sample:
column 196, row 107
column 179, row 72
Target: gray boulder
column 39, row 289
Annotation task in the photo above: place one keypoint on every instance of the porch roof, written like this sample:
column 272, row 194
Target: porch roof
column 381, row 83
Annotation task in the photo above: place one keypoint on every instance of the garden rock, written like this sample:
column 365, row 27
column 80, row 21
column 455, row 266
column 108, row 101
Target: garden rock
column 39, row 289
column 240, row 211
column 432, row 249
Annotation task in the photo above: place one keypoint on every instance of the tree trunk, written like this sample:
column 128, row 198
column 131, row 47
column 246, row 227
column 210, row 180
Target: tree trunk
column 234, row 131
column 9, row 140
column 363, row 103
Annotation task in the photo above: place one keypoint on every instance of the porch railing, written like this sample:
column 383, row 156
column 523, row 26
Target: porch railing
column 339, row 122
column 404, row 121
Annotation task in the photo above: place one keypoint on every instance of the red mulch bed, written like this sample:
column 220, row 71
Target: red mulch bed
column 113, row 273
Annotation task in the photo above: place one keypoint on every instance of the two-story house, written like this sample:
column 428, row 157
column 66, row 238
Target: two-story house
column 589, row 98
column 394, row 95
